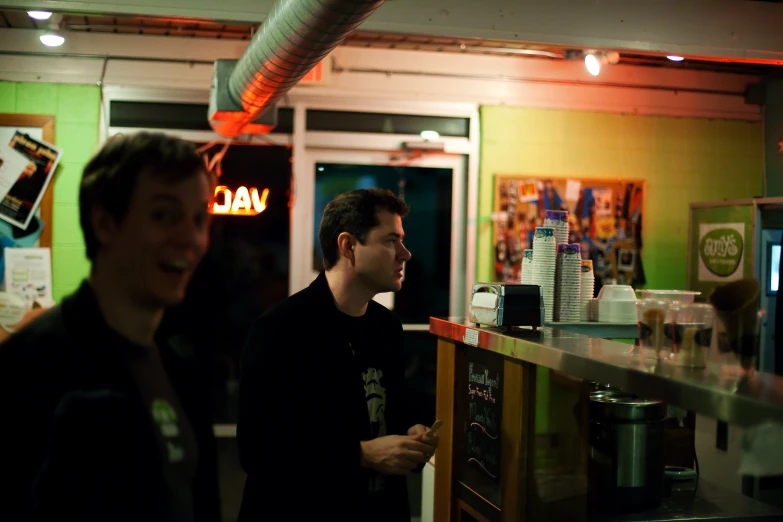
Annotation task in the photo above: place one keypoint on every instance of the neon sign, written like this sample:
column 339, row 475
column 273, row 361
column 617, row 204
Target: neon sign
column 243, row 202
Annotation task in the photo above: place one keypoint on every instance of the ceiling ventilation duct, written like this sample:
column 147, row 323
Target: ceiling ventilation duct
column 296, row 35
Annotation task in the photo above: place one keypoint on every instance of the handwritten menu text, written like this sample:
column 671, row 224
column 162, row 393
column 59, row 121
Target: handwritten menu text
column 484, row 416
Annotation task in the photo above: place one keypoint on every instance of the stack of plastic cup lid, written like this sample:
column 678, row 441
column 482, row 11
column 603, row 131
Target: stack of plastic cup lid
column 527, row 267
column 558, row 219
column 544, row 262
column 568, row 283
column 588, row 289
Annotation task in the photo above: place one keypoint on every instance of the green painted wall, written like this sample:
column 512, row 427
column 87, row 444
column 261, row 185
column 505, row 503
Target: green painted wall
column 76, row 109
column 683, row 160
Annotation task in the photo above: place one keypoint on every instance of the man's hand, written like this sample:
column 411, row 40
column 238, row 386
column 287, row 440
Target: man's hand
column 419, row 432
column 394, row 454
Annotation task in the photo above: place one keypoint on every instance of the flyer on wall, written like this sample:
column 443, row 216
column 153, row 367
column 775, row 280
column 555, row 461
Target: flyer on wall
column 28, row 274
column 22, row 184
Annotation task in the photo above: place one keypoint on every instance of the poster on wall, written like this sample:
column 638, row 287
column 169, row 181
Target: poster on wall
column 721, row 252
column 24, row 181
column 605, row 217
column 28, row 274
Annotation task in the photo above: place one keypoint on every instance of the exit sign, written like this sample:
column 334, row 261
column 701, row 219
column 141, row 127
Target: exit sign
column 318, row 75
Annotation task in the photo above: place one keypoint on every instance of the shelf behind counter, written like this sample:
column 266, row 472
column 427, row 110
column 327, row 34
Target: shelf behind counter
column 727, row 394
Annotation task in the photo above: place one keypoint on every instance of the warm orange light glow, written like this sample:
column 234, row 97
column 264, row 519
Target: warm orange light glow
column 243, row 202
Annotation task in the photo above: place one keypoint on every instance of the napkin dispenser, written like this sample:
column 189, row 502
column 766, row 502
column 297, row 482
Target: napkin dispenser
column 507, row 304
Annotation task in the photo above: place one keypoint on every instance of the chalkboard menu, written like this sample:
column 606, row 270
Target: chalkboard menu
column 483, row 422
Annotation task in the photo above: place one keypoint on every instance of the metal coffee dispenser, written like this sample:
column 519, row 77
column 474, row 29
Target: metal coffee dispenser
column 507, row 304
column 626, row 462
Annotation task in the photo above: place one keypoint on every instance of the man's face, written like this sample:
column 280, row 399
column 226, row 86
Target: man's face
column 163, row 237
column 380, row 260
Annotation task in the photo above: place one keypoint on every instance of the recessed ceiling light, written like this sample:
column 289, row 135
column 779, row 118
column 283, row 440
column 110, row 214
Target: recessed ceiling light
column 429, row 135
column 52, row 39
column 39, row 15
column 675, row 58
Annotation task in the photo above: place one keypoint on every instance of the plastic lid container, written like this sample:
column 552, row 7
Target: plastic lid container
column 683, row 296
column 617, row 293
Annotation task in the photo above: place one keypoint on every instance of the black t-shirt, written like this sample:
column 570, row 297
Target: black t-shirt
column 177, row 443
column 360, row 343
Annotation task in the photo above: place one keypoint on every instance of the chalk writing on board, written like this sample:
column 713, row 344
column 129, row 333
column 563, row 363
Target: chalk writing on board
column 484, row 429
column 484, row 394
column 481, row 465
column 483, row 422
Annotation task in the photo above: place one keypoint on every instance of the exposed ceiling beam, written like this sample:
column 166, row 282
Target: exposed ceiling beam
column 202, row 51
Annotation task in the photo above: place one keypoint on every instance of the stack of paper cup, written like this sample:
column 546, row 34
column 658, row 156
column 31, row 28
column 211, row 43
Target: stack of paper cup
column 568, row 283
column 527, row 267
column 558, row 219
column 544, row 262
column 588, row 289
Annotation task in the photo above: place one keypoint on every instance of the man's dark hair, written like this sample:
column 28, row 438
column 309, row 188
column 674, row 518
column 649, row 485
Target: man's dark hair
column 109, row 179
column 355, row 212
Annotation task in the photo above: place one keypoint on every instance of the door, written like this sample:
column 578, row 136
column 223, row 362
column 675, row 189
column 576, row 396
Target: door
column 769, row 255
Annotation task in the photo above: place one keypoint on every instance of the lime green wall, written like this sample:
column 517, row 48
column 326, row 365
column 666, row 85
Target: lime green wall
column 76, row 111
column 683, row 160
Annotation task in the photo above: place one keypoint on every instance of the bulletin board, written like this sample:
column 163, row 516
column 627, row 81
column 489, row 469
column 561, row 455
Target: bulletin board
column 605, row 217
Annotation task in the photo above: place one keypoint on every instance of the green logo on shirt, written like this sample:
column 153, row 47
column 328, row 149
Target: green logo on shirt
column 166, row 418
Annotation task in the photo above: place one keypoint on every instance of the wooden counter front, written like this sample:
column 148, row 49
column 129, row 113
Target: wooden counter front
column 542, row 453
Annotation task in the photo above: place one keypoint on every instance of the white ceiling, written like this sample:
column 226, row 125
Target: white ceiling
column 709, row 29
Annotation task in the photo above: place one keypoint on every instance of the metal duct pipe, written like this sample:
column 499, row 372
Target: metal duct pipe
column 292, row 40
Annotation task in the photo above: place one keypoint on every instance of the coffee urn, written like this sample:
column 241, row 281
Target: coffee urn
column 626, row 466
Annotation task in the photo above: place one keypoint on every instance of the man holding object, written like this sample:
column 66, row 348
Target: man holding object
column 322, row 413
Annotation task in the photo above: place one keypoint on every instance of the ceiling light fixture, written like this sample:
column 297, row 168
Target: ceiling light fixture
column 594, row 60
column 429, row 135
column 675, row 58
column 39, row 15
column 593, row 64
column 52, row 39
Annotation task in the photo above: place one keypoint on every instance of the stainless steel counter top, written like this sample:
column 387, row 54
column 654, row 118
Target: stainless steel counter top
column 725, row 394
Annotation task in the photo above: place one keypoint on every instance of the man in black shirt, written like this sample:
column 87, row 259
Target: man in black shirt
column 104, row 420
column 322, row 416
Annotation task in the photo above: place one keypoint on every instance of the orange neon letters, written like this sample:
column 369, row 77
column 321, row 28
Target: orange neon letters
column 243, row 202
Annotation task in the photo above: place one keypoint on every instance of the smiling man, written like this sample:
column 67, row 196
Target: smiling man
column 322, row 415
column 108, row 421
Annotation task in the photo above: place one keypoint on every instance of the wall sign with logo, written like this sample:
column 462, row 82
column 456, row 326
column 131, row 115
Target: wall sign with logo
column 721, row 250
